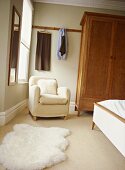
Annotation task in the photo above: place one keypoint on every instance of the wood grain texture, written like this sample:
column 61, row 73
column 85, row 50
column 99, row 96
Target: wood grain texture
column 110, row 112
column 101, row 15
column 118, row 72
column 101, row 73
column 98, row 55
column 54, row 28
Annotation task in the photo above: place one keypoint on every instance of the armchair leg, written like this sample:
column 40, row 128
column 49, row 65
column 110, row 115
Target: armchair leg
column 65, row 117
column 34, row 118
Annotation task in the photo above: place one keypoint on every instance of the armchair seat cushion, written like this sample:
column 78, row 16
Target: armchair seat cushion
column 50, row 99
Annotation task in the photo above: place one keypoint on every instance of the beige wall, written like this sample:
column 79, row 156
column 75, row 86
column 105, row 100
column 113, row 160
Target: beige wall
column 9, row 95
column 61, row 16
column 4, row 19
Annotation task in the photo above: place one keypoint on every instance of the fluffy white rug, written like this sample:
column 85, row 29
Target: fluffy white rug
column 33, row 148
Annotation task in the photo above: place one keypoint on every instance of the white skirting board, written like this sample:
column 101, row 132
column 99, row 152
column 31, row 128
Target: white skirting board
column 9, row 114
column 72, row 107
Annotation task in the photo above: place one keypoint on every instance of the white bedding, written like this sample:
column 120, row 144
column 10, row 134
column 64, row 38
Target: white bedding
column 116, row 106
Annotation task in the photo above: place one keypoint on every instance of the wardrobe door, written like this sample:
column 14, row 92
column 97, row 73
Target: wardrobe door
column 80, row 65
column 97, row 69
column 118, row 72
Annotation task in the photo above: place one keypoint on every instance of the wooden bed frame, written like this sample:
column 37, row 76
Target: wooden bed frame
column 111, row 124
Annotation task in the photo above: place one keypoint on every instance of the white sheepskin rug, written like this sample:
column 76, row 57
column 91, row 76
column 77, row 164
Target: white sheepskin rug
column 33, row 148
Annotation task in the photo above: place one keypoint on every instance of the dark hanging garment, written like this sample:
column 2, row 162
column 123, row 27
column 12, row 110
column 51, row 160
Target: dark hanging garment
column 43, row 51
column 62, row 44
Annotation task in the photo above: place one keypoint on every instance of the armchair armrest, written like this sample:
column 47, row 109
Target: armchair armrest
column 64, row 92
column 34, row 96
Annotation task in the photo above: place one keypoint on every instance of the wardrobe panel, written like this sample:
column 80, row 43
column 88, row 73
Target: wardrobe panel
column 98, row 55
column 118, row 77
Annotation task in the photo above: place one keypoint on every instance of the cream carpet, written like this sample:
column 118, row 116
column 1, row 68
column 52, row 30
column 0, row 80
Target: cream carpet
column 89, row 150
column 33, row 148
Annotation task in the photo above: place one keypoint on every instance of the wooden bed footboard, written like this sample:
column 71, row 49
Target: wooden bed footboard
column 111, row 124
column 112, row 113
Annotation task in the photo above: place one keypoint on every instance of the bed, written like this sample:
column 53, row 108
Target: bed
column 109, row 116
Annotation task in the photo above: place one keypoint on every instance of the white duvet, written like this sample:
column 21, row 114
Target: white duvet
column 116, row 106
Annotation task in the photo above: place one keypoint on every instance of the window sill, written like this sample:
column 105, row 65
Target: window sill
column 23, row 82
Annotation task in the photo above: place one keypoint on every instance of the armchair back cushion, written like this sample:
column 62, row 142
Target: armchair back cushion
column 47, row 86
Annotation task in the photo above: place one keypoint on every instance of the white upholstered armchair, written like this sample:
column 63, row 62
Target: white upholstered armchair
column 46, row 99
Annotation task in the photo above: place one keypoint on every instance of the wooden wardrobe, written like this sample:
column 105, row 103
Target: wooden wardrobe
column 101, row 73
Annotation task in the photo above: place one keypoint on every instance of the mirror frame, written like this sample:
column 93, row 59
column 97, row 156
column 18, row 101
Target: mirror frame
column 14, row 13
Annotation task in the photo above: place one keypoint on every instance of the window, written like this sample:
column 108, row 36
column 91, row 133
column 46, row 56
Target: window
column 25, row 41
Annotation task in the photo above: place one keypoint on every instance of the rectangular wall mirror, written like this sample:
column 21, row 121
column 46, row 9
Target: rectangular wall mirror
column 14, row 47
